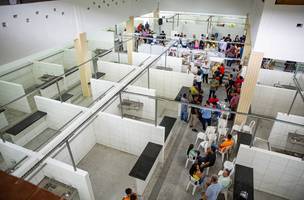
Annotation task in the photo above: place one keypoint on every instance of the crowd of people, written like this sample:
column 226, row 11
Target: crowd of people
column 216, row 183
column 212, row 79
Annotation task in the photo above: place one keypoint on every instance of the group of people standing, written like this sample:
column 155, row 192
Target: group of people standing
column 196, row 93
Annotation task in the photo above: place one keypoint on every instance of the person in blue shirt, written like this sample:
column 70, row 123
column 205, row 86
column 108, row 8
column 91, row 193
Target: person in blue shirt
column 184, row 108
column 213, row 189
column 206, row 115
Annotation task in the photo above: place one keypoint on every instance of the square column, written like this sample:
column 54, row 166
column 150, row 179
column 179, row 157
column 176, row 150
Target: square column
column 248, row 87
column 130, row 43
column 82, row 56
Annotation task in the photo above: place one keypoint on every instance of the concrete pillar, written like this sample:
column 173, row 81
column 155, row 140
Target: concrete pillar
column 130, row 43
column 248, row 87
column 82, row 56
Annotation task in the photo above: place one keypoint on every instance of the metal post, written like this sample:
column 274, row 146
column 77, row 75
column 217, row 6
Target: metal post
column 118, row 55
column 254, row 133
column 294, row 98
column 177, row 19
column 173, row 24
column 120, row 100
column 71, row 155
column 95, row 59
column 60, row 98
column 166, row 60
column 148, row 77
column 155, row 120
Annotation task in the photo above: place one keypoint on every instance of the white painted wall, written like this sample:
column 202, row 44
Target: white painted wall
column 274, row 173
column 277, row 35
column 227, row 7
column 126, row 134
column 255, row 14
column 11, row 91
column 57, row 113
column 279, row 132
column 271, row 77
column 269, row 101
column 39, row 34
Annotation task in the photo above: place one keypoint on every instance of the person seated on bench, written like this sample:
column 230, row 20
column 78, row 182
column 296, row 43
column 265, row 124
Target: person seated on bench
column 196, row 173
column 209, row 159
column 224, row 179
column 227, row 143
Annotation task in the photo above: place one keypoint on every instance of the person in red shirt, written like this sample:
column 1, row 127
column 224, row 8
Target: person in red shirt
column 222, row 72
column 213, row 99
column 239, row 80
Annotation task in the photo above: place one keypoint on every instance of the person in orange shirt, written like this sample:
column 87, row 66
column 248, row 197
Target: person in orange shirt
column 227, row 143
column 128, row 193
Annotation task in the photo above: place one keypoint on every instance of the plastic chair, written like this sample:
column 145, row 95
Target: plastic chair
column 225, row 192
column 222, row 123
column 222, row 132
column 236, row 127
column 205, row 144
column 224, row 153
column 249, row 128
column 200, row 136
column 189, row 159
column 203, row 136
column 194, row 183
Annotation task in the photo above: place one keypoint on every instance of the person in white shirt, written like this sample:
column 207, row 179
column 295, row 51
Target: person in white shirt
column 205, row 71
column 184, row 41
column 222, row 45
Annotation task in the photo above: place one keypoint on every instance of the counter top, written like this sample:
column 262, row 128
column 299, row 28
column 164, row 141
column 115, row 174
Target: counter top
column 243, row 181
column 146, row 161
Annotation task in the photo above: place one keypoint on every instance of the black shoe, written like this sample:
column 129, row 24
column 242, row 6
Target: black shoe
column 194, row 130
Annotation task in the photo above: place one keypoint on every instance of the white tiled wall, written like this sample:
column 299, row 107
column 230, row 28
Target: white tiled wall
column 57, row 113
column 153, row 49
column 269, row 101
column 24, row 76
column 279, row 132
column 271, row 77
column 166, row 83
column 99, row 87
column 65, row 173
column 79, row 148
column 69, row 58
column 10, row 91
column 114, row 72
column 139, row 57
column 41, row 68
column 125, row 134
column 148, row 110
column 11, row 153
column 173, row 62
column 274, row 173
